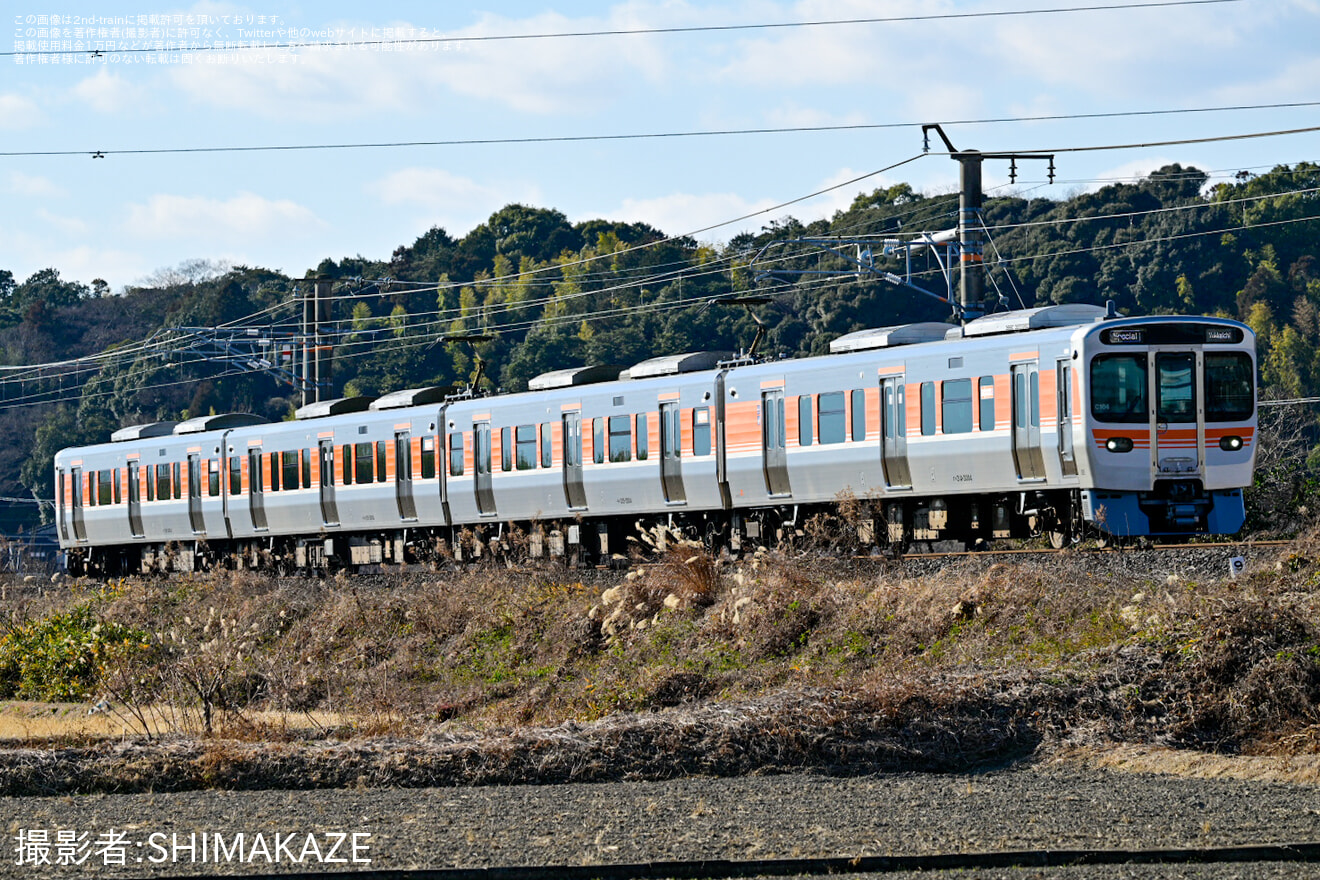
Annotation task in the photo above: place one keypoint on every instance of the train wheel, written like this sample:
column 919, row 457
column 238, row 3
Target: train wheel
column 1062, row 529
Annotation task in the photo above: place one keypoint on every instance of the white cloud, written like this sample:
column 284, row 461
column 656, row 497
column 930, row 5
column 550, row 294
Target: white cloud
column 455, row 203
column 793, row 115
column 433, row 187
column 842, row 198
column 539, row 76
column 107, row 92
column 246, row 218
column 1294, row 81
column 708, row 216
column 86, row 263
column 1130, row 172
column 1168, row 55
column 70, row 226
column 17, row 112
column 37, row 187
column 25, row 253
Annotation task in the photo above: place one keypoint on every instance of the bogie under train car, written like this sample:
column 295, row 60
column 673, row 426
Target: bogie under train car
column 1063, row 420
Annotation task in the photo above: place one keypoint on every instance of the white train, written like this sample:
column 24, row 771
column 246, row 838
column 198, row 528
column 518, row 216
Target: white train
column 1062, row 420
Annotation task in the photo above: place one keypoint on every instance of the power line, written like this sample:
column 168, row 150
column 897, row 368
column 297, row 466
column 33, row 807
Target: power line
column 150, row 347
column 439, row 318
column 661, row 135
column 1120, row 215
column 628, row 32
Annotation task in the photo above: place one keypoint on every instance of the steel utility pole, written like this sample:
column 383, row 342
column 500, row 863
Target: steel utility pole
column 971, row 248
column 316, row 355
column 963, row 244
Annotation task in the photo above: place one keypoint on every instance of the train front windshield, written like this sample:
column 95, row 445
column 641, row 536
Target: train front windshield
column 1119, row 387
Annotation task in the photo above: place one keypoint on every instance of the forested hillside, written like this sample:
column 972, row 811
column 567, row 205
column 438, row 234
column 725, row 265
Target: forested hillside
column 554, row 294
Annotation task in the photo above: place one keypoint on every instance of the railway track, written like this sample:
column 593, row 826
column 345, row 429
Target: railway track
column 1050, row 551
column 720, row 869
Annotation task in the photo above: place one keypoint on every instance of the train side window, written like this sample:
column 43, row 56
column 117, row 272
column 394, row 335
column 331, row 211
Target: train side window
column 643, row 437
column 804, row 420
column 178, row 483
column 364, row 462
column 235, row 475
column 119, row 496
column 701, row 430
column 151, row 482
column 831, row 417
column 91, row 488
column 306, row 455
column 927, row 408
column 428, row 458
column 289, row 460
column 481, row 449
column 104, row 487
column 547, row 445
column 382, row 459
column 506, row 449
column 598, row 440
column 273, row 458
column 1229, row 386
column 620, row 438
column 859, row 415
column 572, row 441
column 525, row 447
column 1035, row 399
column 163, row 482
column 347, row 452
column 987, row 394
column 213, row 477
column 957, row 405
column 456, row 454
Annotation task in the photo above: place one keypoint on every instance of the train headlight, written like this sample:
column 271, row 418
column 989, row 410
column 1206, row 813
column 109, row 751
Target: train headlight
column 1119, row 444
column 1231, row 443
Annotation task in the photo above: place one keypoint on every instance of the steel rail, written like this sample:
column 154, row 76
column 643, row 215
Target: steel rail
column 716, row 869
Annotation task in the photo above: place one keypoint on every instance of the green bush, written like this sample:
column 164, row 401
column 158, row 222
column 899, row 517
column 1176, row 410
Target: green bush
column 60, row 657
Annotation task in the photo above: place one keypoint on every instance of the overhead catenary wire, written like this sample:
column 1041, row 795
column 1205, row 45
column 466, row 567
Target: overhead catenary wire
column 629, row 32
column 446, row 317
column 648, row 279
column 86, row 364
column 83, row 362
column 662, row 135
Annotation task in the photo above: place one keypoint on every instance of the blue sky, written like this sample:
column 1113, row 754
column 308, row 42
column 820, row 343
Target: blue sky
column 124, row 217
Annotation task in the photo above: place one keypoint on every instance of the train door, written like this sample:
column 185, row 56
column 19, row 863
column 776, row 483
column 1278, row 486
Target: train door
column 1027, row 457
column 326, row 464
column 403, row 476
column 1177, row 435
column 893, row 433
column 76, row 508
column 135, row 499
column 61, row 504
column 671, row 443
column 195, row 493
column 256, row 490
column 774, row 459
column 482, row 482
column 1064, row 407
column 575, row 493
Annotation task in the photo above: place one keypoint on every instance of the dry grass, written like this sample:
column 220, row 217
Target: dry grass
column 1290, row 769
column 26, row 722
column 704, row 665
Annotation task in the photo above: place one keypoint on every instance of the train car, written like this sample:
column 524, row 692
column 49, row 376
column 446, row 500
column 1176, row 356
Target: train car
column 1063, row 420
